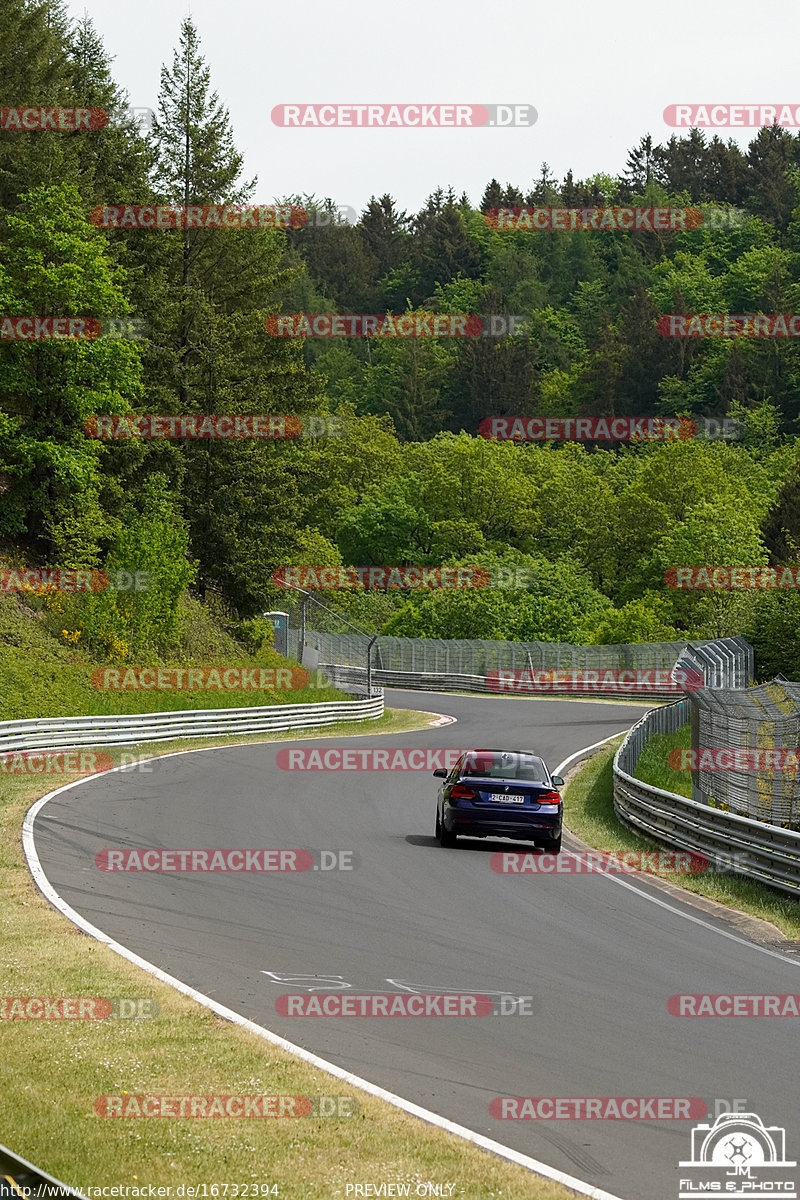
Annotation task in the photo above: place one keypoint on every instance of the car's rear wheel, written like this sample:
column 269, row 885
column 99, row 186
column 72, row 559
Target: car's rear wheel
column 551, row 845
column 444, row 837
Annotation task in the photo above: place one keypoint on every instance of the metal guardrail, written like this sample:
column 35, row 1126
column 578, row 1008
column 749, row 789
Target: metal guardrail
column 426, row 663
column 727, row 662
column 344, row 676
column 754, row 849
column 53, row 733
column 18, row 1177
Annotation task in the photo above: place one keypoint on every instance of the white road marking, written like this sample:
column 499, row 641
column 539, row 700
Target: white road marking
column 646, row 895
column 414, row 1110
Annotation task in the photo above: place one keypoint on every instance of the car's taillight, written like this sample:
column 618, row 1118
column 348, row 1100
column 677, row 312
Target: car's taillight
column 457, row 792
column 548, row 797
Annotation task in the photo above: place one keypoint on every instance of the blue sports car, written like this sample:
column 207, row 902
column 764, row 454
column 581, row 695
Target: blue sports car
column 500, row 793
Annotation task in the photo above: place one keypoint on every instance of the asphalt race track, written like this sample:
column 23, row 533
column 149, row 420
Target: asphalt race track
column 599, row 954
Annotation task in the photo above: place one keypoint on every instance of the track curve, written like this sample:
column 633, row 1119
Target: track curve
column 599, row 955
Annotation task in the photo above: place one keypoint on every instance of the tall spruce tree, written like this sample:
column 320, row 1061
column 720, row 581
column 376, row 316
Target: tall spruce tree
column 214, row 355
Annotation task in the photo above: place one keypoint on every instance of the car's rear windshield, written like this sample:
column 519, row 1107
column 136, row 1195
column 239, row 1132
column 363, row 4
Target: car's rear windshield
column 507, row 764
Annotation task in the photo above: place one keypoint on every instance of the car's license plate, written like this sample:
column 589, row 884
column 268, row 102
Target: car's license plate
column 502, row 798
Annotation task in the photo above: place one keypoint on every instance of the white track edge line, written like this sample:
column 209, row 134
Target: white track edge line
column 414, row 1110
column 646, row 895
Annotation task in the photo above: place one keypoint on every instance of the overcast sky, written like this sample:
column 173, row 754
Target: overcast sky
column 599, row 75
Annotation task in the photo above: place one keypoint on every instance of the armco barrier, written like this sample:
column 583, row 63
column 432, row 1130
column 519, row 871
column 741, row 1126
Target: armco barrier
column 345, row 676
column 432, row 664
column 755, row 849
column 24, row 1179
column 54, row 733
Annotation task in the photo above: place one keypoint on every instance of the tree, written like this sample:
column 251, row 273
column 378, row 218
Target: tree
column 640, row 166
column 35, row 71
column 711, row 534
column 216, row 288
column 151, row 539
column 553, row 604
column 773, row 184
column 492, row 196
column 384, row 530
column 196, row 161
column 444, row 250
column 406, row 378
column 384, row 233
column 646, row 619
column 53, row 264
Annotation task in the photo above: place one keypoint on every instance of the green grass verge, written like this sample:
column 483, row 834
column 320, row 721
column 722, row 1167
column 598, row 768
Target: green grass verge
column 653, row 767
column 589, row 813
column 54, row 1071
column 43, row 676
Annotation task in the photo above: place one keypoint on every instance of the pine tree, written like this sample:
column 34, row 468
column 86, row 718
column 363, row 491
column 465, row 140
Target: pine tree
column 770, row 157
column 196, row 160
column 544, row 191
column 212, row 290
column 640, row 167
column 384, row 232
column 112, row 164
column 492, row 196
column 34, row 71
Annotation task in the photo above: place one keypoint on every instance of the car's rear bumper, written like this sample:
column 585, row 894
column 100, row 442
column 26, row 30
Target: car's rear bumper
column 492, row 824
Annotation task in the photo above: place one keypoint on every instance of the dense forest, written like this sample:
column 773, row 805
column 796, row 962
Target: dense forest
column 584, row 533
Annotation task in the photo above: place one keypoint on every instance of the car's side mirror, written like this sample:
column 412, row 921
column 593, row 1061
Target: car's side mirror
column 440, row 773
column 557, row 781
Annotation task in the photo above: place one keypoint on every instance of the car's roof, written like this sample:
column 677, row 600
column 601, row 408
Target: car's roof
column 505, row 750
column 507, row 770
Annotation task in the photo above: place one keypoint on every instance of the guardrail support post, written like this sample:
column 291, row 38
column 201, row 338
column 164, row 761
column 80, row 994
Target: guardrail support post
column 369, row 665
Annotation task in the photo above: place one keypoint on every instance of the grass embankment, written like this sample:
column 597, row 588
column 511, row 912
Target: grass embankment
column 43, row 676
column 653, row 765
column 589, row 813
